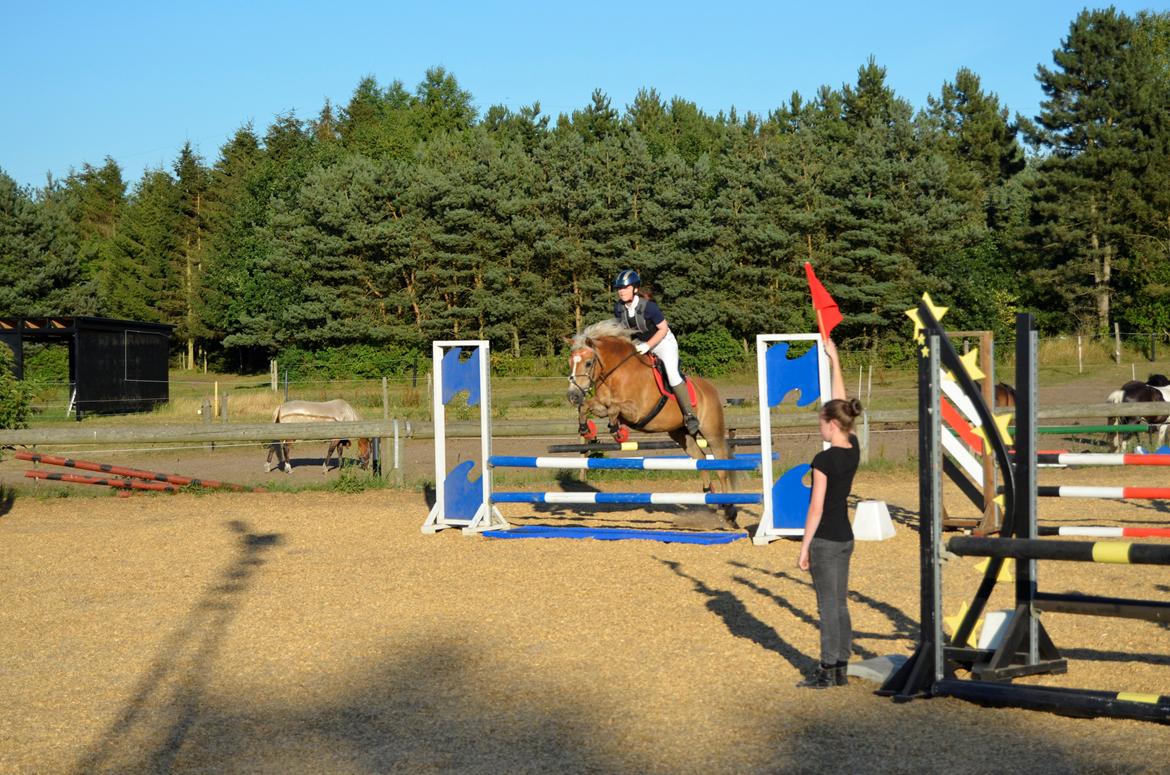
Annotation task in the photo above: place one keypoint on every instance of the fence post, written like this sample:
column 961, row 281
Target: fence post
column 223, row 408
column 1080, row 363
column 1117, row 343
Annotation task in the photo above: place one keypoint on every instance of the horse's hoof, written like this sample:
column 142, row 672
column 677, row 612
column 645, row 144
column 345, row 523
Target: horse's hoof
column 267, row 467
column 287, row 468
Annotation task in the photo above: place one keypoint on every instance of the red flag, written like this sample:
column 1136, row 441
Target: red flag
column 828, row 313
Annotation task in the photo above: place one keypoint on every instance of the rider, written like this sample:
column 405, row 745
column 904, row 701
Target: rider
column 637, row 312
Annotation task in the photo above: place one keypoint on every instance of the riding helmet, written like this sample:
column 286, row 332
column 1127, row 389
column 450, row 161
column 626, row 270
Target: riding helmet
column 626, row 277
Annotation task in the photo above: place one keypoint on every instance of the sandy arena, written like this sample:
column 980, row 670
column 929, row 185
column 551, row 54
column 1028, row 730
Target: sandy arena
column 321, row 632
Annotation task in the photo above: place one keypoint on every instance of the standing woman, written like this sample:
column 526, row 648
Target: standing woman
column 650, row 332
column 828, row 536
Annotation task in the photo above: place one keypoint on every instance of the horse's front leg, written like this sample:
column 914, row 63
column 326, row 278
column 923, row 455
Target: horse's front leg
column 329, row 455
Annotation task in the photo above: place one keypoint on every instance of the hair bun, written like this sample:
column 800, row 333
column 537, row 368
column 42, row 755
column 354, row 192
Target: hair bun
column 855, row 408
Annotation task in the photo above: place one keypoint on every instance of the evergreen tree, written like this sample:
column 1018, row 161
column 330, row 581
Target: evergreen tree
column 140, row 274
column 180, row 301
column 379, row 123
column 441, row 105
column 97, row 196
column 1102, row 125
column 38, row 261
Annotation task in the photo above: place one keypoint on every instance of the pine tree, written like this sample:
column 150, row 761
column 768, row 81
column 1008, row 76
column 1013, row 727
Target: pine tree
column 181, row 300
column 1102, row 125
column 38, row 260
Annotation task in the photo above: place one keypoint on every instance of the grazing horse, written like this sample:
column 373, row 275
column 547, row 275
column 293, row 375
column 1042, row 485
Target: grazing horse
column 608, row 378
column 337, row 410
column 1156, row 388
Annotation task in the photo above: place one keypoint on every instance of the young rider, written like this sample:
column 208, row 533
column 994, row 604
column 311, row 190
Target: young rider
column 648, row 328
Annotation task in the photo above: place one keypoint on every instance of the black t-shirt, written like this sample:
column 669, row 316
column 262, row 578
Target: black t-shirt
column 838, row 465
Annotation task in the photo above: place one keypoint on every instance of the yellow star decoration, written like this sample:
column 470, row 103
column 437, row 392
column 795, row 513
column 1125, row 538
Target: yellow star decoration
column 998, row 500
column 953, row 623
column 1001, row 425
column 919, row 337
column 912, row 313
column 935, row 310
column 1005, row 570
column 970, row 362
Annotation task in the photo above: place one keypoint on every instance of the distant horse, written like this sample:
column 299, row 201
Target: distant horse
column 608, row 378
column 1156, row 388
column 337, row 410
column 1005, row 394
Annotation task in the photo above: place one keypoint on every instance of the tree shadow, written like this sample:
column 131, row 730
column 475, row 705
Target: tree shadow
column 168, row 699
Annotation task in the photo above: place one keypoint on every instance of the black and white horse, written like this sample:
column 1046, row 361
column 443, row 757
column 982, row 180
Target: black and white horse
column 1156, row 388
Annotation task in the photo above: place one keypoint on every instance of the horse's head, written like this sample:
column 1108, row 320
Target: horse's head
column 582, row 368
column 602, row 343
column 1158, row 380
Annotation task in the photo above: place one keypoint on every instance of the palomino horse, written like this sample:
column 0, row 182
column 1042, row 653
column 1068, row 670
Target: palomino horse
column 608, row 378
column 1156, row 388
column 337, row 410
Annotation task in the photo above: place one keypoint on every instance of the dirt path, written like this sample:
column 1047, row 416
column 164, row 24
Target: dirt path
column 320, row 632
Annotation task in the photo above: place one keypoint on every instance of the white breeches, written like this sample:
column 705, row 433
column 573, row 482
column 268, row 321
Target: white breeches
column 667, row 351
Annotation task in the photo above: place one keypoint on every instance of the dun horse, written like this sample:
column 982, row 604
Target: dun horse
column 337, row 410
column 1156, row 388
column 609, row 379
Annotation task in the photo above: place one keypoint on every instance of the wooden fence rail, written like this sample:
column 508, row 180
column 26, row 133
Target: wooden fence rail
column 741, row 422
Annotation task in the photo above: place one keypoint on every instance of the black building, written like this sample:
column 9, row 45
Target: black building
column 115, row 366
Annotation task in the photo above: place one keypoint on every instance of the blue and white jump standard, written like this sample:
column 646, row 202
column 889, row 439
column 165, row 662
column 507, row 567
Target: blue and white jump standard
column 463, row 365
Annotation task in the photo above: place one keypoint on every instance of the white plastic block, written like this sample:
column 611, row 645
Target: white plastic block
column 995, row 624
column 872, row 522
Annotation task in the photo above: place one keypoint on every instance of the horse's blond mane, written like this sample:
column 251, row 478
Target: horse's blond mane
column 608, row 327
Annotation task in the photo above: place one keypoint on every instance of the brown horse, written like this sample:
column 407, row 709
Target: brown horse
column 609, row 379
column 1005, row 394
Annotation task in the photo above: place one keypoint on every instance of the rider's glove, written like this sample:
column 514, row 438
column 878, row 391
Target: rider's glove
column 642, row 348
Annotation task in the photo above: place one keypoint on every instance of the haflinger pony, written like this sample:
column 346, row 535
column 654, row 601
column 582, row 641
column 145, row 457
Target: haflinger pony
column 1156, row 388
column 609, row 379
column 337, row 410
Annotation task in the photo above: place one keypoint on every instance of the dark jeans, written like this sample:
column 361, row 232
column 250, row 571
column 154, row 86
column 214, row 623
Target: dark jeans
column 829, row 564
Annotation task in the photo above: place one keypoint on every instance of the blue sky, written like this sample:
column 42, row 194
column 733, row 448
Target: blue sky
column 134, row 81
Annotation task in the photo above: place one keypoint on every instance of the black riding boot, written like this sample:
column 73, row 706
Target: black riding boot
column 822, row 678
column 684, row 405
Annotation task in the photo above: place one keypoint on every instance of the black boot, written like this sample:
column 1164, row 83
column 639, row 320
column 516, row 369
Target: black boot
column 684, row 406
column 822, row 678
column 841, row 673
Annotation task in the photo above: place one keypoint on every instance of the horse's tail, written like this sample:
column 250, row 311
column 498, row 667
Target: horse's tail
column 276, row 414
column 1116, row 397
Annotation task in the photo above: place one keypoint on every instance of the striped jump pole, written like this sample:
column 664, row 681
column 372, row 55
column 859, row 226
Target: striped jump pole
column 134, row 473
column 1114, row 552
column 657, row 498
column 1108, row 493
column 117, row 484
column 1101, row 459
column 629, row 463
column 635, row 446
column 1104, row 531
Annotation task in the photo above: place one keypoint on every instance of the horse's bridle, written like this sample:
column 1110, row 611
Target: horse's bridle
column 596, row 382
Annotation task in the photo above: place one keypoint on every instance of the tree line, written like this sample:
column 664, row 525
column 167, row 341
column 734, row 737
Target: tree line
column 406, row 216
